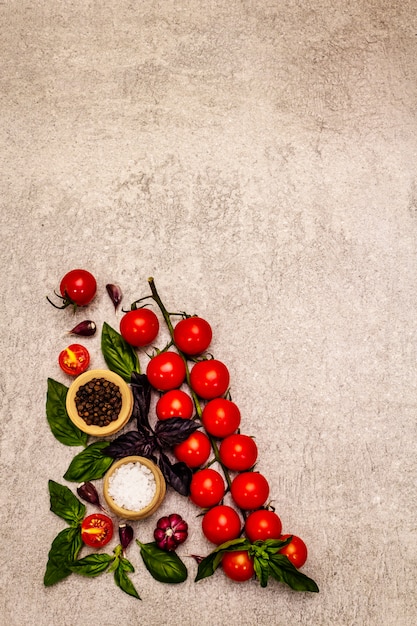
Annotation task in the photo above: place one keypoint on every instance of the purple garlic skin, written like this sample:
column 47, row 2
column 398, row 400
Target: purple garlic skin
column 115, row 294
column 170, row 532
column 88, row 493
column 87, row 328
column 125, row 535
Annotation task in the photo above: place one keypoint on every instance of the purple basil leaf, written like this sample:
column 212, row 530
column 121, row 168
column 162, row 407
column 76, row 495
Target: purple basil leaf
column 174, row 430
column 132, row 443
column 141, row 390
column 178, row 475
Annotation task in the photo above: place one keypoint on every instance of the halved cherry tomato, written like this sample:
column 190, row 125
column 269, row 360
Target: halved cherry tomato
column 238, row 565
column 96, row 530
column 174, row 403
column 192, row 335
column 74, row 360
column 296, row 550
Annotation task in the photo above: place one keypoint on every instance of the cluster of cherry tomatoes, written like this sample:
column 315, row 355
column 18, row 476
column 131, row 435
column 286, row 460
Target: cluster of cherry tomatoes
column 236, row 453
column 169, row 371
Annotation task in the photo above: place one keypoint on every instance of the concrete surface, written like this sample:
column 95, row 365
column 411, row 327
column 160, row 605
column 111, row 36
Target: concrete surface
column 258, row 158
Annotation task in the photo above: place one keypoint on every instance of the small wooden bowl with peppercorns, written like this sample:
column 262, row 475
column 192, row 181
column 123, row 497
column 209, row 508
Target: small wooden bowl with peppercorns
column 99, row 402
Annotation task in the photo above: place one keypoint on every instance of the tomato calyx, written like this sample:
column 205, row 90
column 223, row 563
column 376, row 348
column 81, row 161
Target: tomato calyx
column 66, row 301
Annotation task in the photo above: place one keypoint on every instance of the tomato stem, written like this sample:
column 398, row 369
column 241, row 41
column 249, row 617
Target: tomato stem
column 167, row 318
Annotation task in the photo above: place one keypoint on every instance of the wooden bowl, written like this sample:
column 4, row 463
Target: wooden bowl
column 125, row 411
column 156, row 500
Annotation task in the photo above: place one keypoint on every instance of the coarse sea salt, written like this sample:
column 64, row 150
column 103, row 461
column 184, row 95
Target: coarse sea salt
column 132, row 486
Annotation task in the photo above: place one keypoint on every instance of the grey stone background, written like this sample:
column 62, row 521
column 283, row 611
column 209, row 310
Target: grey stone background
column 258, row 158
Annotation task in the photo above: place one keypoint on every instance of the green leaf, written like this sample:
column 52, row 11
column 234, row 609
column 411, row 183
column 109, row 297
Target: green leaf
column 118, row 354
column 65, row 504
column 91, row 565
column 281, row 568
column 123, row 581
column 56, row 413
column 261, row 567
column 90, row 464
column 64, row 550
column 211, row 562
column 166, row 567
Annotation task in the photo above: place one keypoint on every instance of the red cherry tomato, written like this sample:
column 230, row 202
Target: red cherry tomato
column 221, row 523
column 207, row 488
column 209, row 379
column 238, row 452
column 250, row 490
column 262, row 525
column 296, row 550
column 174, row 403
column 78, row 287
column 74, row 360
column 195, row 450
column 96, row 530
column 238, row 565
column 166, row 371
column 221, row 417
column 139, row 327
column 192, row 335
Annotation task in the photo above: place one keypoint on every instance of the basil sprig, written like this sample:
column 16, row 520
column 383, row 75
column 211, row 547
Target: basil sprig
column 56, row 413
column 166, row 567
column 118, row 354
column 93, row 565
column 266, row 560
column 90, row 464
column 67, row 544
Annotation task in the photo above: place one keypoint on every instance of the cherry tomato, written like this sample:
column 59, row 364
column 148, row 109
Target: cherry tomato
column 78, row 287
column 209, row 379
column 221, row 417
column 263, row 524
column 74, row 360
column 139, row 327
column 174, row 403
column 166, row 371
column 296, row 550
column 195, row 450
column 238, row 452
column 250, row 490
column 96, row 530
column 192, row 335
column 238, row 565
column 207, row 488
column 221, row 523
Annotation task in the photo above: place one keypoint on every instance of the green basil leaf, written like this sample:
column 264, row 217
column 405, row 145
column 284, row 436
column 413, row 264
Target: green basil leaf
column 261, row 567
column 56, row 413
column 65, row 504
column 126, row 565
column 166, row 567
column 211, row 562
column 91, row 565
column 206, row 567
column 118, row 354
column 90, row 464
column 281, row 568
column 123, row 581
column 64, row 550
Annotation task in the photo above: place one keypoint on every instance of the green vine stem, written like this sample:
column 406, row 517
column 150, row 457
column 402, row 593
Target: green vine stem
column 167, row 318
